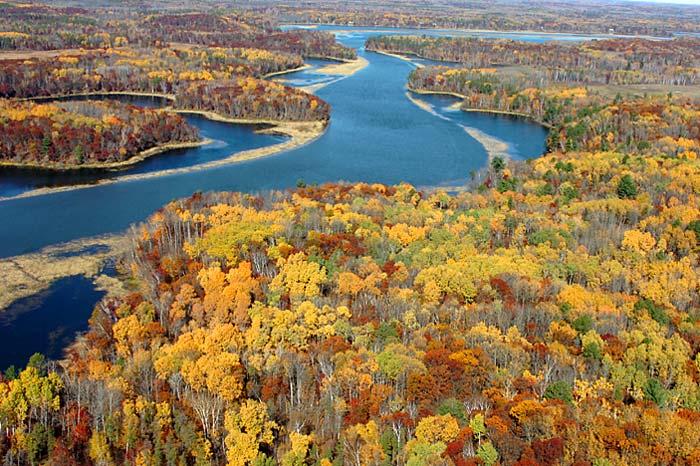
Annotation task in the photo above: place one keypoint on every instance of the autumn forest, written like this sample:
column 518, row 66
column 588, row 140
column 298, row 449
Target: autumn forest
column 543, row 312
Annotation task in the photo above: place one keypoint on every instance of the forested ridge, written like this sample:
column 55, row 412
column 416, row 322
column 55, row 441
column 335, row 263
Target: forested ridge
column 576, row 17
column 610, row 61
column 579, row 118
column 44, row 27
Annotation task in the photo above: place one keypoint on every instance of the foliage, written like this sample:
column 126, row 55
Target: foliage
column 84, row 132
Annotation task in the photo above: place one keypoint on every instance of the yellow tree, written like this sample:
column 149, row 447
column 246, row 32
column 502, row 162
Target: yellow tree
column 362, row 447
column 299, row 277
column 227, row 296
column 247, row 428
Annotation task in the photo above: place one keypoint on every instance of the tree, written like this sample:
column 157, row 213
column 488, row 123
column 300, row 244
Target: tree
column 626, row 187
column 433, row 429
column 559, row 390
column 247, row 428
column 487, row 453
column 362, row 446
column 498, row 164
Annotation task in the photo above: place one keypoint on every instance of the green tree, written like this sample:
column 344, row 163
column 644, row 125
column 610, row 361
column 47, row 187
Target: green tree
column 498, row 164
column 560, row 390
column 626, row 188
column 487, row 453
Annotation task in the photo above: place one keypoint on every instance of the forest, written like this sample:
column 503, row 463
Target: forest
column 547, row 316
column 43, row 27
column 204, row 61
column 578, row 118
column 583, row 16
column 77, row 133
column 246, row 97
column 610, row 61
column 547, row 313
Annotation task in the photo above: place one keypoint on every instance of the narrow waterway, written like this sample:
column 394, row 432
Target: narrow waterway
column 376, row 134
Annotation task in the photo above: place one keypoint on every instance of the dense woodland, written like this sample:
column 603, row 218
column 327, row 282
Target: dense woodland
column 234, row 23
column 43, row 27
column 579, row 119
column 611, row 61
column 550, row 314
column 76, row 133
column 178, row 72
column 205, row 61
column 143, row 70
column 246, row 97
column 582, row 16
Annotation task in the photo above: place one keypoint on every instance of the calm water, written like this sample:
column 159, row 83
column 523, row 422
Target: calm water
column 226, row 139
column 46, row 322
column 376, row 134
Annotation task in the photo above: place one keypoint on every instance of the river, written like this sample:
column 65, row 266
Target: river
column 376, row 134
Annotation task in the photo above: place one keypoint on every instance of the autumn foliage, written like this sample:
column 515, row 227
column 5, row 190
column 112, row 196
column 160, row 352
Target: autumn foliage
column 203, row 62
column 366, row 324
column 84, row 132
column 548, row 314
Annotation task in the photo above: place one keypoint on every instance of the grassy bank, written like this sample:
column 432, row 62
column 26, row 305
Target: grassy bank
column 29, row 274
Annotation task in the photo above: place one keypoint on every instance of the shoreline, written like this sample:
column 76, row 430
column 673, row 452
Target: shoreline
column 399, row 56
column 479, row 110
column 28, row 274
column 342, row 69
column 593, row 35
column 493, row 146
column 299, row 133
column 98, row 94
column 112, row 166
column 303, row 67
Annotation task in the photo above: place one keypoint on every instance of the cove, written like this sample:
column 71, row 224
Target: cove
column 376, row 134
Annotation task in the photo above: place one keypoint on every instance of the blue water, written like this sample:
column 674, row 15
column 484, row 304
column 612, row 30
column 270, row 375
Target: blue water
column 226, row 139
column 369, row 31
column 46, row 322
column 376, row 134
